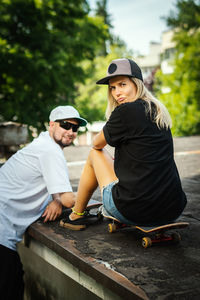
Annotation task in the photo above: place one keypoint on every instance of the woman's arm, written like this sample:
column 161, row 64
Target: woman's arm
column 99, row 141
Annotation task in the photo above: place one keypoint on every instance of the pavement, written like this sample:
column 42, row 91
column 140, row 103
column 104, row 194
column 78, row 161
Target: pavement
column 166, row 271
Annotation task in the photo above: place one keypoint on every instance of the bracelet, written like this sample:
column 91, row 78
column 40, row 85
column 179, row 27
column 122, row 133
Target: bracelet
column 76, row 213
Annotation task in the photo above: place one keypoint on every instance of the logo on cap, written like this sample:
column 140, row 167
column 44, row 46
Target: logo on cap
column 112, row 68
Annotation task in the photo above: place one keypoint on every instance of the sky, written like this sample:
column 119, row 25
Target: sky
column 138, row 22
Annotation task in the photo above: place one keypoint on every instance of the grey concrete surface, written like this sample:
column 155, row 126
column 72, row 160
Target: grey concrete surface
column 162, row 271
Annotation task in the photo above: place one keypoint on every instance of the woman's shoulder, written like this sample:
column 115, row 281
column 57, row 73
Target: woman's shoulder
column 139, row 103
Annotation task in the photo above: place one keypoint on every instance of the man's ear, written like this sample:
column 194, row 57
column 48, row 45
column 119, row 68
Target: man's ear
column 51, row 124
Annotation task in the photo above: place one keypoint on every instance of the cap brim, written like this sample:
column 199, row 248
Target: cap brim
column 81, row 121
column 106, row 79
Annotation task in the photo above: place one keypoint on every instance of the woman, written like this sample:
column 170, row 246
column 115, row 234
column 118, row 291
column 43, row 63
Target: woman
column 142, row 184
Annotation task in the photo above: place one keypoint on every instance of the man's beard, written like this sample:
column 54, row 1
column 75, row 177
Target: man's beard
column 60, row 143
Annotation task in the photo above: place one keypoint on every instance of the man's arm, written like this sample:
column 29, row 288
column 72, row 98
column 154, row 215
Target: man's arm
column 54, row 209
column 68, row 199
column 99, row 141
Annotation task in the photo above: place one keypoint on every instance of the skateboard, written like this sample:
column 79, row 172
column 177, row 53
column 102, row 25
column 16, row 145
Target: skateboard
column 158, row 233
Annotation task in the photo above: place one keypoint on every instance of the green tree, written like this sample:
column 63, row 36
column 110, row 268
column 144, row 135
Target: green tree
column 42, row 45
column 183, row 97
column 101, row 11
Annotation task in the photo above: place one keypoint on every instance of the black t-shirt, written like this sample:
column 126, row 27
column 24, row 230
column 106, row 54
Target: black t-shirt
column 149, row 189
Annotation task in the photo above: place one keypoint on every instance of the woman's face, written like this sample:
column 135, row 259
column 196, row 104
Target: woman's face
column 123, row 89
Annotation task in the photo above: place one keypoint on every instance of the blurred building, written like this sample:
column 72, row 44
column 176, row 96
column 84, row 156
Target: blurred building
column 160, row 55
column 167, row 51
column 151, row 61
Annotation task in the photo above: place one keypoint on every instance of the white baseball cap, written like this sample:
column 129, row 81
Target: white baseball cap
column 66, row 112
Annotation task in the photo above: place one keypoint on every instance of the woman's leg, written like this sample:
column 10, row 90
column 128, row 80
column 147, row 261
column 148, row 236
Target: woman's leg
column 98, row 170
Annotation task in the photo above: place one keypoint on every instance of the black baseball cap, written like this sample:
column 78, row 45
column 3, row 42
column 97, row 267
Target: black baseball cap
column 122, row 66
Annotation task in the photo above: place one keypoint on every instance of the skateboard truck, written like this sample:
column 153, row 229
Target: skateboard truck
column 159, row 238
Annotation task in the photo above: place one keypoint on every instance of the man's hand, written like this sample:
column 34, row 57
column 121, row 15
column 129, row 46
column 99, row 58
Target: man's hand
column 52, row 211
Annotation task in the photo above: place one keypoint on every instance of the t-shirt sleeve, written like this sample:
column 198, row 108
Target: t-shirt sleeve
column 55, row 172
column 114, row 130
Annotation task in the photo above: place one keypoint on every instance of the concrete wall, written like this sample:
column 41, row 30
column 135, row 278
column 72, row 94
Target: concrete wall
column 49, row 277
column 45, row 282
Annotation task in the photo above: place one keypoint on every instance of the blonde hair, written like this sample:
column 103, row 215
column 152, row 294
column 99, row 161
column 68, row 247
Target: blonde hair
column 161, row 116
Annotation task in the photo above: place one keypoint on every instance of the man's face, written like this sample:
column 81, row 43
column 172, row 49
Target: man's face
column 63, row 137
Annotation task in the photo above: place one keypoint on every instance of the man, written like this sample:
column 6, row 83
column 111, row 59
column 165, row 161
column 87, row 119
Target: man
column 33, row 183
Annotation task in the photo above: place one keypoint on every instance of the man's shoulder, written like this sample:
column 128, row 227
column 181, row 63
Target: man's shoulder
column 45, row 139
column 41, row 145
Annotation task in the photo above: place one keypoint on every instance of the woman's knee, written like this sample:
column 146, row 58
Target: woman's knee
column 93, row 154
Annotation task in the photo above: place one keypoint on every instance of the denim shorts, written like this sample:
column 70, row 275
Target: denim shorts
column 109, row 204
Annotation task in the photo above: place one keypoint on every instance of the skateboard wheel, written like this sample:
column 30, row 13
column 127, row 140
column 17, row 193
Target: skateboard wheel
column 176, row 237
column 146, row 242
column 112, row 227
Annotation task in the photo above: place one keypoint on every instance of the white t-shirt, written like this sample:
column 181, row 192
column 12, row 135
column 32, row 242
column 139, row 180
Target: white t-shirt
column 27, row 181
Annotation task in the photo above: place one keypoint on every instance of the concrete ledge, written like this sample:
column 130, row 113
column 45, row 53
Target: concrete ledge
column 93, row 275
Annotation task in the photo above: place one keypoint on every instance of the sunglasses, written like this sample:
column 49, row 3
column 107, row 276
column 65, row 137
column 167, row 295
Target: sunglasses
column 67, row 125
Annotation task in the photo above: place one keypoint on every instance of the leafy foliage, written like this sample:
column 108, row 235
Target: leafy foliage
column 183, row 97
column 42, row 45
column 101, row 10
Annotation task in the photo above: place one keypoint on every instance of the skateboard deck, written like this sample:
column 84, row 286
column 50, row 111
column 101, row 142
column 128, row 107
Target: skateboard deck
column 93, row 204
column 158, row 231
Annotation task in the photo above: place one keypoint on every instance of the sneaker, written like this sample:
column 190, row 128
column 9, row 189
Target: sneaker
column 80, row 223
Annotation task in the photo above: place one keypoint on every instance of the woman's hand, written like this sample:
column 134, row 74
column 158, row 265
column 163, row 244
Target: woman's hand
column 52, row 211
